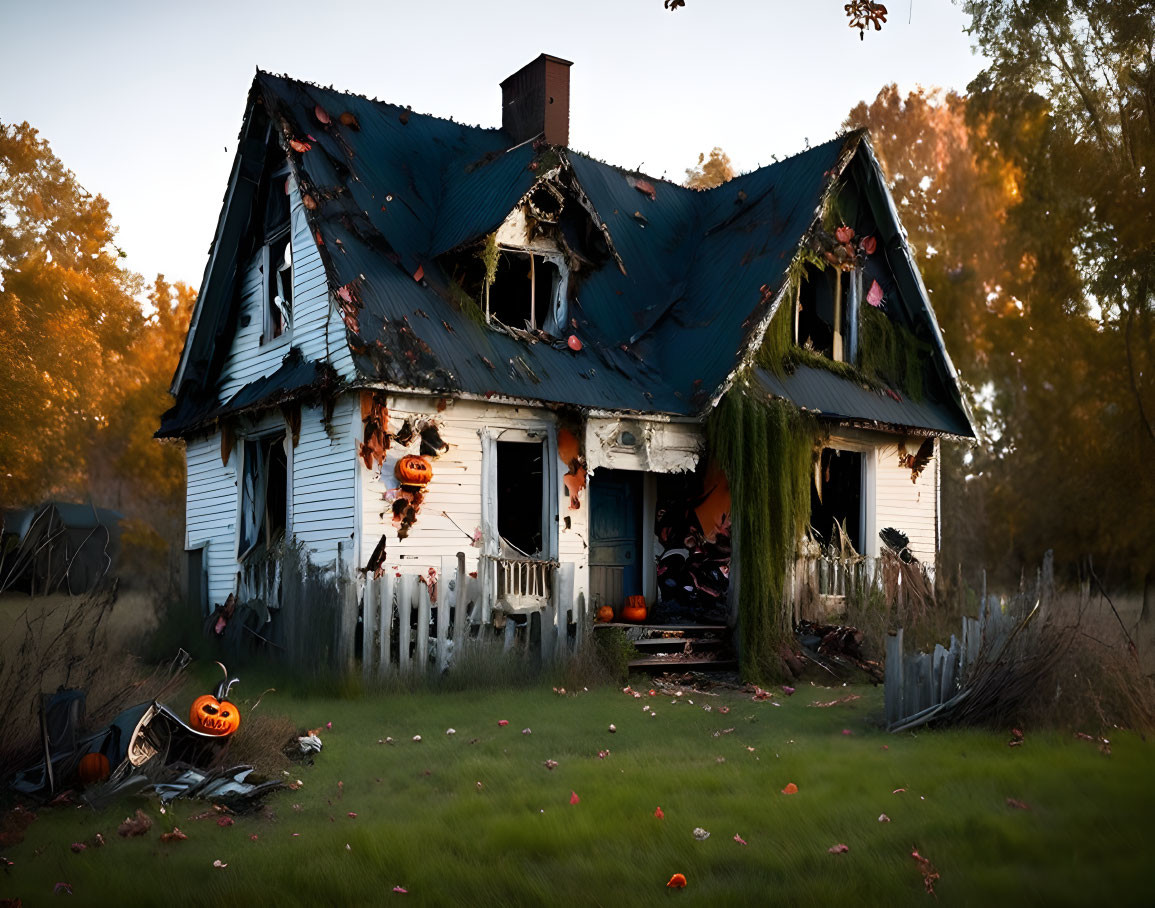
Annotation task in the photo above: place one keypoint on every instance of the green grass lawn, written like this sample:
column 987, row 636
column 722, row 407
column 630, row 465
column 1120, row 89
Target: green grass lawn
column 477, row 818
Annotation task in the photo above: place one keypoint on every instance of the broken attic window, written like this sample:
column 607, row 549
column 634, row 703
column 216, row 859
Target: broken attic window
column 524, row 294
column 264, row 495
column 521, row 498
column 820, row 320
column 277, row 255
column 836, row 498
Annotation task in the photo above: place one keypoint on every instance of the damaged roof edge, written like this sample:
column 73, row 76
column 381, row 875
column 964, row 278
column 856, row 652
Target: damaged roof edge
column 956, row 383
column 754, row 342
column 214, row 249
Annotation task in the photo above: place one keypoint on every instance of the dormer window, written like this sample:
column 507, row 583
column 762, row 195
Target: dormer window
column 528, row 291
column 820, row 319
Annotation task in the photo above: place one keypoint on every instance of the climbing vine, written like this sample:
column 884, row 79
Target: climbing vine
column 766, row 448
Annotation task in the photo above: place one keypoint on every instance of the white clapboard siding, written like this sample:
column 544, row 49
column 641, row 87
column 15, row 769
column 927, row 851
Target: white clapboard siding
column 211, row 513
column 906, row 506
column 323, row 481
column 317, row 329
column 451, row 511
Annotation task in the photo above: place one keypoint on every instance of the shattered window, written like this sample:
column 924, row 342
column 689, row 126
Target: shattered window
column 279, row 289
column 836, row 499
column 264, row 494
column 823, row 297
column 524, row 294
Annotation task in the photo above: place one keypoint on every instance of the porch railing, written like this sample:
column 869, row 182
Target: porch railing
column 414, row 623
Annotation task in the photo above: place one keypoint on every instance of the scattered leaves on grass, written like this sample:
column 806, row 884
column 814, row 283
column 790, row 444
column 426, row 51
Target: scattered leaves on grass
column 898, row 791
column 929, row 875
column 787, row 690
column 527, row 731
column 790, row 789
column 700, row 834
column 760, row 694
column 659, row 813
column 451, row 731
column 400, row 890
column 840, row 848
column 219, row 864
column 883, row 818
column 502, row 722
column 417, row 739
column 175, row 836
column 847, row 699
column 739, row 839
column 573, row 797
column 677, row 881
column 62, row 889
column 847, row 731
column 224, row 821
column 550, row 764
column 78, row 847
column 723, row 709
column 136, row 825
column 1016, row 738
column 602, row 754
column 1017, row 804
column 352, row 815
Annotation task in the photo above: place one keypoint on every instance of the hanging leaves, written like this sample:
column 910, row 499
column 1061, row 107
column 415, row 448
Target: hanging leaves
column 863, row 14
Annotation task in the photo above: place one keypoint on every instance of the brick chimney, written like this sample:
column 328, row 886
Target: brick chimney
column 535, row 101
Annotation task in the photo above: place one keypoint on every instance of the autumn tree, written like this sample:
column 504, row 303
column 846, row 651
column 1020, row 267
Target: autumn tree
column 711, row 171
column 83, row 371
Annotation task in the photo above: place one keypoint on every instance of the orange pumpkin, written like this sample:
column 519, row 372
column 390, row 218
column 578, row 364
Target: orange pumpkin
column 634, row 609
column 605, row 614
column 93, row 768
column 413, row 470
column 213, row 716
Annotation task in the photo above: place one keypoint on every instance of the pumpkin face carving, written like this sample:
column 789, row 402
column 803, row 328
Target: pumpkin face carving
column 213, row 716
column 413, row 470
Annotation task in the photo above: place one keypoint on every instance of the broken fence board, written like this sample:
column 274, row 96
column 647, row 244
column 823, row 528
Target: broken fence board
column 446, row 593
column 368, row 623
column 384, row 588
column 407, row 587
column 893, row 681
column 422, row 631
column 460, row 602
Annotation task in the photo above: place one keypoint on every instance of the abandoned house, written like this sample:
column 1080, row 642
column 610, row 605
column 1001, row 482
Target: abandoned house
column 417, row 338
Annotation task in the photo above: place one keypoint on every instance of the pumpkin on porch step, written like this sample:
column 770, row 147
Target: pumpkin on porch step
column 634, row 609
column 606, row 614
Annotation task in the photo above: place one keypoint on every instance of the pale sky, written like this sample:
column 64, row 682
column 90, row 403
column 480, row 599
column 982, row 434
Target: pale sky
column 143, row 100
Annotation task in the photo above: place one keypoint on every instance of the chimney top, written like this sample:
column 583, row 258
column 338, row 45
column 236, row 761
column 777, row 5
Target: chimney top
column 535, row 101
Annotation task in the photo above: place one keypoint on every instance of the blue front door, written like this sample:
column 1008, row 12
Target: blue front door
column 615, row 536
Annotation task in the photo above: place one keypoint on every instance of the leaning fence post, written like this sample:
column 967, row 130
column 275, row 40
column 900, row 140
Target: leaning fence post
column 893, row 678
column 460, row 604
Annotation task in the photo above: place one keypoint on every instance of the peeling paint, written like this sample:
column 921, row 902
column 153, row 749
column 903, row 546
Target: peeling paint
column 657, row 447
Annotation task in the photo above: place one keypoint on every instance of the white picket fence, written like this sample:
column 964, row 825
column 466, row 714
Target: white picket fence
column 406, row 630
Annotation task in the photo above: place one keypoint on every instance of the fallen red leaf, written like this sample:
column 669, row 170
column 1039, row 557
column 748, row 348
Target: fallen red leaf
column 677, row 881
column 573, row 798
column 659, row 813
column 840, row 848
column 175, row 836
column 739, row 839
column 136, row 825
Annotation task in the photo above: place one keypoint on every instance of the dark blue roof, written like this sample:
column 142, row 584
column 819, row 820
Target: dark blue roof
column 663, row 321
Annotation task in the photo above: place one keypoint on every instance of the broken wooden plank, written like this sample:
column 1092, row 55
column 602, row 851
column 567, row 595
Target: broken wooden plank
column 422, row 629
column 894, row 677
column 384, row 588
column 406, row 589
column 460, row 604
column 368, row 624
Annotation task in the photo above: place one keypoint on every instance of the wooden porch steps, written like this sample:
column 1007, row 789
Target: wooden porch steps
column 662, row 647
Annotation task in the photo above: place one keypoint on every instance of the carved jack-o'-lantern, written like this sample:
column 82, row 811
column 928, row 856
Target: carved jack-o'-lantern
column 413, row 470
column 93, row 768
column 213, row 714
